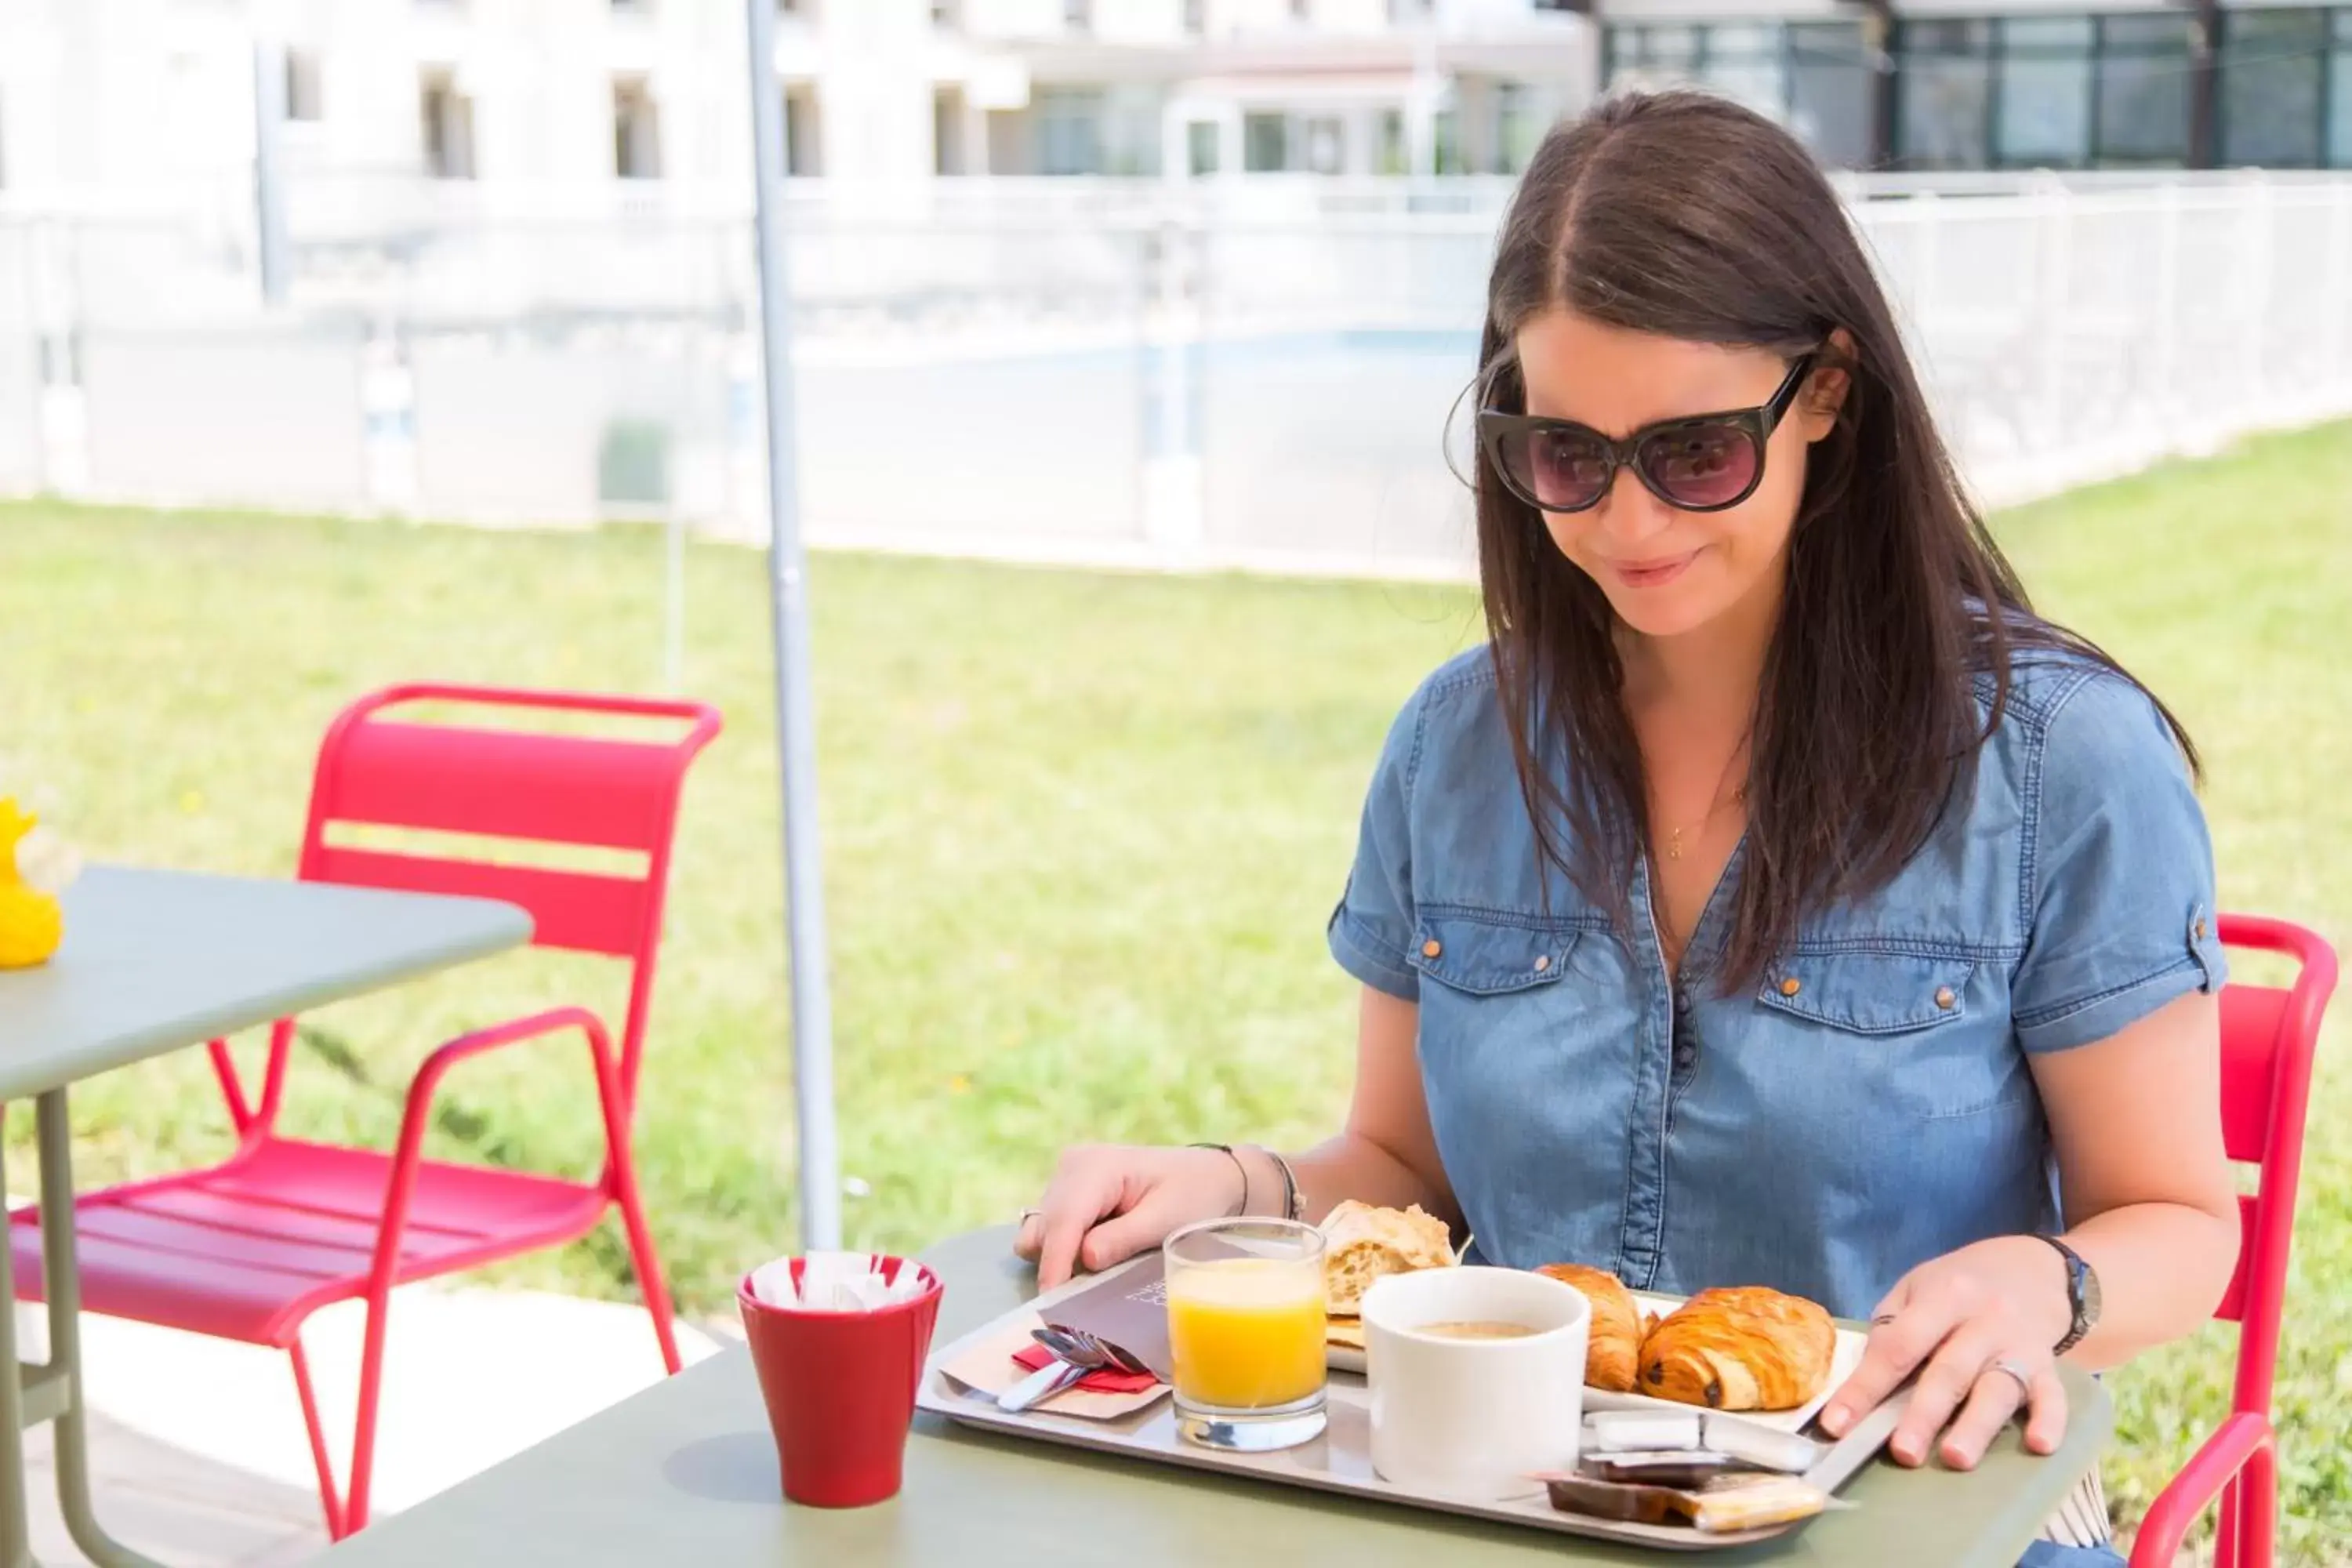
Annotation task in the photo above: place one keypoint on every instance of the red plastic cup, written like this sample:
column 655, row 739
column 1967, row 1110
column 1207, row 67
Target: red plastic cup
column 840, row 1388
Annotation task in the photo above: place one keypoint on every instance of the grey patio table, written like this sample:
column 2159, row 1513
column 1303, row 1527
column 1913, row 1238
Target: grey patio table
column 153, row 961
column 686, row 1472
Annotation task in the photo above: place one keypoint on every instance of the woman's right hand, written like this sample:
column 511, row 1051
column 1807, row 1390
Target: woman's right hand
column 1107, row 1202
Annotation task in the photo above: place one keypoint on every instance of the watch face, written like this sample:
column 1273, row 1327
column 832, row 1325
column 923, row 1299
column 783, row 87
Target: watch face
column 2088, row 1292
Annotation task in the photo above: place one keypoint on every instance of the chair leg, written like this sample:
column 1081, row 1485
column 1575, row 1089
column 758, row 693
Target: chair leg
column 2258, row 1509
column 2226, row 1528
column 363, row 1428
column 641, row 1254
column 330, row 1501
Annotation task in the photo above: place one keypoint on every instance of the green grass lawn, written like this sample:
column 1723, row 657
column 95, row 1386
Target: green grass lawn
column 1081, row 836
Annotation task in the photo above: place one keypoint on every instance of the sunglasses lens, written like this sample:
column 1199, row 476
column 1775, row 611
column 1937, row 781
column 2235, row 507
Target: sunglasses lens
column 1563, row 470
column 1701, row 465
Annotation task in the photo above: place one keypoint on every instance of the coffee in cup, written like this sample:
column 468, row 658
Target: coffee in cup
column 1476, row 1379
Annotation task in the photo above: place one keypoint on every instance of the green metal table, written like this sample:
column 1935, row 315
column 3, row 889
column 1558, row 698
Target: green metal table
column 153, row 961
column 686, row 1472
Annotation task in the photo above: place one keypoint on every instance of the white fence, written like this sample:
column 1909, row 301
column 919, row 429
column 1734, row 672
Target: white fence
column 1254, row 372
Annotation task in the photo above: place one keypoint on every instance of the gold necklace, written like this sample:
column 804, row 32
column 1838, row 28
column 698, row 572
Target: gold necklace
column 1674, row 835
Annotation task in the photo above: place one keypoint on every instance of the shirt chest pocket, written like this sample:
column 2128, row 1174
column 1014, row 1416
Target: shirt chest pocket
column 1484, row 956
column 1917, row 1033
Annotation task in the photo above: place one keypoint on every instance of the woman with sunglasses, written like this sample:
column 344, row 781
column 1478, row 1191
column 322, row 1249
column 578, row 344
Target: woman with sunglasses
column 1776, row 899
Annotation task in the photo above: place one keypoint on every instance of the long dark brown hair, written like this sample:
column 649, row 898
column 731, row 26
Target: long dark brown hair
column 1685, row 216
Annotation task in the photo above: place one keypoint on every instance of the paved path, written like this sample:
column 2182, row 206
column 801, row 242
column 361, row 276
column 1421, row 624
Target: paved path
column 198, row 1447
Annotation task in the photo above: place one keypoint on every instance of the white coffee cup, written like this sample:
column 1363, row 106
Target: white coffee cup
column 1472, row 1417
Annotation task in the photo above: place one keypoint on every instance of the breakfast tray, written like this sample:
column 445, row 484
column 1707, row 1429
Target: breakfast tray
column 1340, row 1460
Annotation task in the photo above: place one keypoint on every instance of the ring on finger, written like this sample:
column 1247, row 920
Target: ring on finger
column 2009, row 1365
column 1028, row 1215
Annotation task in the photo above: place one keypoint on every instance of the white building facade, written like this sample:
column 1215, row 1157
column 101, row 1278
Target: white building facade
column 134, row 96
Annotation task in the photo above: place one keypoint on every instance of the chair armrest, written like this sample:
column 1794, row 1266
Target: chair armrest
column 417, row 1114
column 2194, row 1489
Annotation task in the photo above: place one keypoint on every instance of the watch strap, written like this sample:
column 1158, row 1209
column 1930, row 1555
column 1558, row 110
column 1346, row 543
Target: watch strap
column 2079, row 1300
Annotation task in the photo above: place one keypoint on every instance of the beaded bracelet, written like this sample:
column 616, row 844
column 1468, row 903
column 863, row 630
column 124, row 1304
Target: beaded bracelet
column 1293, row 1205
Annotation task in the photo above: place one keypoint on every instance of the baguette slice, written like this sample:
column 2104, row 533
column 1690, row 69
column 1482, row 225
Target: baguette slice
column 1362, row 1243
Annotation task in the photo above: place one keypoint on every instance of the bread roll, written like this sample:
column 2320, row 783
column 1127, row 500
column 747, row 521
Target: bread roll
column 1362, row 1243
column 1613, row 1348
column 1744, row 1349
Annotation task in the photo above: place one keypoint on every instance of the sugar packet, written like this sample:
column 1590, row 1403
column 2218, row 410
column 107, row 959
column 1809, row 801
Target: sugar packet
column 836, row 1283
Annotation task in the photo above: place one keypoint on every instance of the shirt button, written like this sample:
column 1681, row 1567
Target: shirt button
column 1945, row 999
column 1686, row 1055
column 1431, row 948
column 1543, row 961
column 1682, row 999
column 2198, row 928
column 1790, row 986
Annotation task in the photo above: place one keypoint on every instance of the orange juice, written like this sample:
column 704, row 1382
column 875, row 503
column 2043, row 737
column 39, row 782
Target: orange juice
column 1247, row 1333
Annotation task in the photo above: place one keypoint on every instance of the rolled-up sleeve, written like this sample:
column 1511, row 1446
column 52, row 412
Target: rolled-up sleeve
column 2118, row 873
column 1370, row 931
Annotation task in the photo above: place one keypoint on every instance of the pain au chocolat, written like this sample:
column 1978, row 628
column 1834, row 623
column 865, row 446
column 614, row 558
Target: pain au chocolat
column 1746, row 1348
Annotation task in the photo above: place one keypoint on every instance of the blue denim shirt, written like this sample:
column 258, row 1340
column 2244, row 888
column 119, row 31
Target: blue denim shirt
column 1866, row 1107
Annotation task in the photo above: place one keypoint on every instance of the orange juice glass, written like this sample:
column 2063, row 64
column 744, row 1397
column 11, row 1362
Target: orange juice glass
column 1246, row 1330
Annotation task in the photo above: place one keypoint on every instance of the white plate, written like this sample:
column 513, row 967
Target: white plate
column 1843, row 1361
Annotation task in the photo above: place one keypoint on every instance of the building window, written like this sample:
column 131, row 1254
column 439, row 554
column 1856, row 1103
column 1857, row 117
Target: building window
column 1945, row 87
column 2143, row 72
column 448, row 127
column 1405, row 13
column 1078, row 16
column 1832, row 89
column 1743, row 62
column 637, row 7
column 1299, row 9
column 947, row 13
column 636, row 130
column 1813, row 77
column 947, row 132
column 1327, row 145
column 1395, row 156
column 1196, row 16
column 2339, row 98
column 1069, row 131
column 1517, row 127
column 2043, row 99
column 1656, row 56
column 303, row 99
column 2274, row 66
column 1200, row 149
column 804, row 156
column 1265, row 143
column 1446, row 133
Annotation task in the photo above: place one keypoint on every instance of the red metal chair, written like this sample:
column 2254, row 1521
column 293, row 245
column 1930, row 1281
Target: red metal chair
column 249, row 1248
column 2268, row 1039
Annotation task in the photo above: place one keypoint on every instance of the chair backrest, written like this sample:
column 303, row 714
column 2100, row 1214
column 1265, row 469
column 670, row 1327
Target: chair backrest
column 2269, row 1036
column 590, row 793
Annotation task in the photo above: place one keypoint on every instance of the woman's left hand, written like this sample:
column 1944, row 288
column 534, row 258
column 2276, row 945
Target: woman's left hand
column 1977, row 1326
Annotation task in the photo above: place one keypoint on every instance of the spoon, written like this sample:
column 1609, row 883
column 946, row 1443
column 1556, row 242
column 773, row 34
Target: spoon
column 1073, row 1358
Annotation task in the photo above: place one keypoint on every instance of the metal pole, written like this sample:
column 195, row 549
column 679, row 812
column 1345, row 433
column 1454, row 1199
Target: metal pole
column 269, row 170
column 796, row 710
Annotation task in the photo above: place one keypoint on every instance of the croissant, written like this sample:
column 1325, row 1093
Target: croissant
column 1612, row 1346
column 1744, row 1348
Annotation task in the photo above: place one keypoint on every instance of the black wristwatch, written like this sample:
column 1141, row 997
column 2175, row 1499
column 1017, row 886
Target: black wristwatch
column 2082, row 1296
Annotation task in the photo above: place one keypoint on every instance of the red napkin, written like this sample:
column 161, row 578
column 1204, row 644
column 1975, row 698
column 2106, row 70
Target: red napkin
column 1107, row 1381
